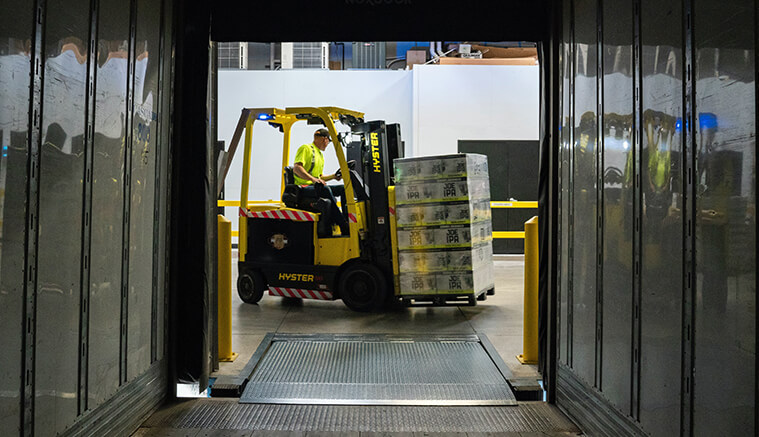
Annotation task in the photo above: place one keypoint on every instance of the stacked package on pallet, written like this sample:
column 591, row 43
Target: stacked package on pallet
column 444, row 229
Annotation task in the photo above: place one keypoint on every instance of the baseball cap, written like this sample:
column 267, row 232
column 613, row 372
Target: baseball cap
column 322, row 133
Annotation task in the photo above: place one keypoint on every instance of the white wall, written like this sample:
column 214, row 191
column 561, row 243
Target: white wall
column 465, row 102
column 436, row 106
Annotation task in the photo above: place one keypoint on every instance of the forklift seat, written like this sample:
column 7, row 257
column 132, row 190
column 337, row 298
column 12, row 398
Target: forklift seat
column 291, row 195
column 289, row 176
column 293, row 198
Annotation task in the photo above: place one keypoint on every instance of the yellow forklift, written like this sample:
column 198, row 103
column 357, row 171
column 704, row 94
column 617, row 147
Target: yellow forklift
column 286, row 247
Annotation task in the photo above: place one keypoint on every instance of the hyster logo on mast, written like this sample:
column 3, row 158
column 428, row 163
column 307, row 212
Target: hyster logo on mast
column 375, row 152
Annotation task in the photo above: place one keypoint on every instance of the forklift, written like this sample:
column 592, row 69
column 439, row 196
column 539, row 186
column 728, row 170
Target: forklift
column 288, row 248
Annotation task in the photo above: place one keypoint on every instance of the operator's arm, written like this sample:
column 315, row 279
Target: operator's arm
column 303, row 174
column 331, row 177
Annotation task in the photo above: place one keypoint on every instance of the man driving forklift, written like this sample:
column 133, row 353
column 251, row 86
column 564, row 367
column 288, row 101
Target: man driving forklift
column 308, row 168
column 280, row 246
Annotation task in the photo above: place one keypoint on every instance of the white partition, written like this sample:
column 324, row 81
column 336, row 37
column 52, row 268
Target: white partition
column 436, row 105
column 465, row 102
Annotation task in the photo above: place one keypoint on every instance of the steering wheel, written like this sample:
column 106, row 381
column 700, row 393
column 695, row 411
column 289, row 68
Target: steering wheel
column 351, row 165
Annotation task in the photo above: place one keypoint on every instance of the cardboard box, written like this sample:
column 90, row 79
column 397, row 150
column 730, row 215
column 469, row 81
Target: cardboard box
column 442, row 260
column 488, row 61
column 418, row 283
column 414, row 57
column 446, row 190
column 506, row 52
column 460, row 165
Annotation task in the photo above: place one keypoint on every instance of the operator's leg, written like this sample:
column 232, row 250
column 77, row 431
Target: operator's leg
column 339, row 190
column 314, row 200
column 337, row 216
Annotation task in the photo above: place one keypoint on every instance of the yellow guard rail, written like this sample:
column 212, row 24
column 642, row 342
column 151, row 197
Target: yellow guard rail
column 496, row 204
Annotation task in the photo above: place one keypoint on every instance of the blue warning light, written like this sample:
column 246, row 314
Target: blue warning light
column 707, row 120
column 265, row 117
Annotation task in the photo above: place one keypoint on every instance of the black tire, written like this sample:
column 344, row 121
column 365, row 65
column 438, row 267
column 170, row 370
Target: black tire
column 483, row 296
column 251, row 286
column 362, row 287
column 490, row 292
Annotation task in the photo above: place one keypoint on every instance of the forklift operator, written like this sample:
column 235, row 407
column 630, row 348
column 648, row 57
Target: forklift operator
column 308, row 167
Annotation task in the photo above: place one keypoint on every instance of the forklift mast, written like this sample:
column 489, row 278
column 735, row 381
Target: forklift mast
column 374, row 146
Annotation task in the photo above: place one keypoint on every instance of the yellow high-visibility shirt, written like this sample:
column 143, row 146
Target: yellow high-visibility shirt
column 312, row 159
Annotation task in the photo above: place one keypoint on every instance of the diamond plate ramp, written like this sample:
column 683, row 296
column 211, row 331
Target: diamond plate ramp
column 355, row 372
column 225, row 414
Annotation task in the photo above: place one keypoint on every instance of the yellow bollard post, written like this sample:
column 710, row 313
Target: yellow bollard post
column 225, row 290
column 530, row 330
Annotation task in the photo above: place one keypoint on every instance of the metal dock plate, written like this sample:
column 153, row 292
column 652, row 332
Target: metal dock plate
column 377, row 370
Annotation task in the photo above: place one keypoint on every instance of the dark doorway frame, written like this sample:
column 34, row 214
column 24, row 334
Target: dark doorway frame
column 193, row 194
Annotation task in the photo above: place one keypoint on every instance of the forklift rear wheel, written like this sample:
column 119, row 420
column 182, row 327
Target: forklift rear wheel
column 250, row 286
column 483, row 296
column 363, row 287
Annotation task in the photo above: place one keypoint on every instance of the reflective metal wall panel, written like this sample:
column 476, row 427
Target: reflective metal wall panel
column 144, row 142
column 65, row 276
column 618, row 188
column 674, row 353
column 584, row 192
column 15, row 30
column 107, row 200
column 60, row 220
column 662, row 222
column 725, row 312
column 163, row 199
column 564, row 187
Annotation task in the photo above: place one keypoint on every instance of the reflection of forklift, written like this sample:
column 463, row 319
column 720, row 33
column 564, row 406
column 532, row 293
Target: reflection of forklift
column 282, row 245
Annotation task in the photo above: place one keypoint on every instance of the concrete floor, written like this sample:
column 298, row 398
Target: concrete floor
column 500, row 317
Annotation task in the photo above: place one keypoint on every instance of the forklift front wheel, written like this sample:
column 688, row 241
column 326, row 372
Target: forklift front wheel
column 250, row 286
column 363, row 287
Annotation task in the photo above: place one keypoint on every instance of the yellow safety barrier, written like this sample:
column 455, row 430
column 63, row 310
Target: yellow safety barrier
column 508, row 234
column 225, row 290
column 236, row 203
column 500, row 204
column 531, row 266
column 513, row 204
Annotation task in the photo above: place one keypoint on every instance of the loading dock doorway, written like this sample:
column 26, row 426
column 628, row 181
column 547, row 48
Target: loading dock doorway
column 396, row 96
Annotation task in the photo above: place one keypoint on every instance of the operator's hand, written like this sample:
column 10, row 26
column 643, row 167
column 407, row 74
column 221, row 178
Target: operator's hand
column 319, row 181
column 338, row 176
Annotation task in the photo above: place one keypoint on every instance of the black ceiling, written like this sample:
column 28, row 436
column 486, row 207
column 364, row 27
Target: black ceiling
column 379, row 20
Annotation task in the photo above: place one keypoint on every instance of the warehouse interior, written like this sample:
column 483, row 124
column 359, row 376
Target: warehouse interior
column 646, row 199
